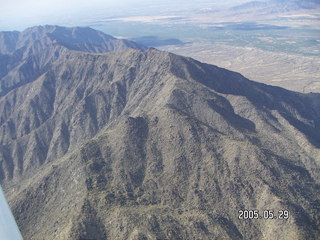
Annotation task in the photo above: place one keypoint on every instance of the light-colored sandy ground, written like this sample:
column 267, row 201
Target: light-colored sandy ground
column 294, row 72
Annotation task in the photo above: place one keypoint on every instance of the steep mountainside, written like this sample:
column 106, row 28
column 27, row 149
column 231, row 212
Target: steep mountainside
column 150, row 145
column 25, row 56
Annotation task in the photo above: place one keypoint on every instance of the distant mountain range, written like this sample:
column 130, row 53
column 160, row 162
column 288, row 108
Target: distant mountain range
column 278, row 6
column 142, row 144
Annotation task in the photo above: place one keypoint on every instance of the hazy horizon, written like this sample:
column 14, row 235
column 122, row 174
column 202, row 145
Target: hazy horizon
column 19, row 14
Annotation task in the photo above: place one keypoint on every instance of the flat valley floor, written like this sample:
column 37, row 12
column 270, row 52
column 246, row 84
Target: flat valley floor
column 291, row 71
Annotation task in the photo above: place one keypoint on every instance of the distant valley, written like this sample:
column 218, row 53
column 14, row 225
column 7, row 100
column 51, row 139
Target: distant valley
column 267, row 41
column 291, row 71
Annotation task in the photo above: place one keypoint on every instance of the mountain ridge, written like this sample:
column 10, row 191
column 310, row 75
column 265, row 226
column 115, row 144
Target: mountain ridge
column 145, row 144
column 73, row 38
column 40, row 46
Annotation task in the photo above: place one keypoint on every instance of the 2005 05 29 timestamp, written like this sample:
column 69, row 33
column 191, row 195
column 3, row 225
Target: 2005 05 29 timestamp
column 265, row 214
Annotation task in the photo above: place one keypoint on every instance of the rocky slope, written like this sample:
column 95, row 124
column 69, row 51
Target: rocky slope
column 31, row 52
column 150, row 145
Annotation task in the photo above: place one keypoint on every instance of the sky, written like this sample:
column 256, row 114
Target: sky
column 20, row 14
column 23, row 13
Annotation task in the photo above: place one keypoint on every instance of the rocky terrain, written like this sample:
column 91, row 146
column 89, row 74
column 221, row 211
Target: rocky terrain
column 146, row 144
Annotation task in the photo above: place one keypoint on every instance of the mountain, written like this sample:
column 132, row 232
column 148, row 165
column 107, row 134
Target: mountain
column 32, row 51
column 249, row 5
column 304, row 4
column 276, row 6
column 145, row 144
column 74, row 38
